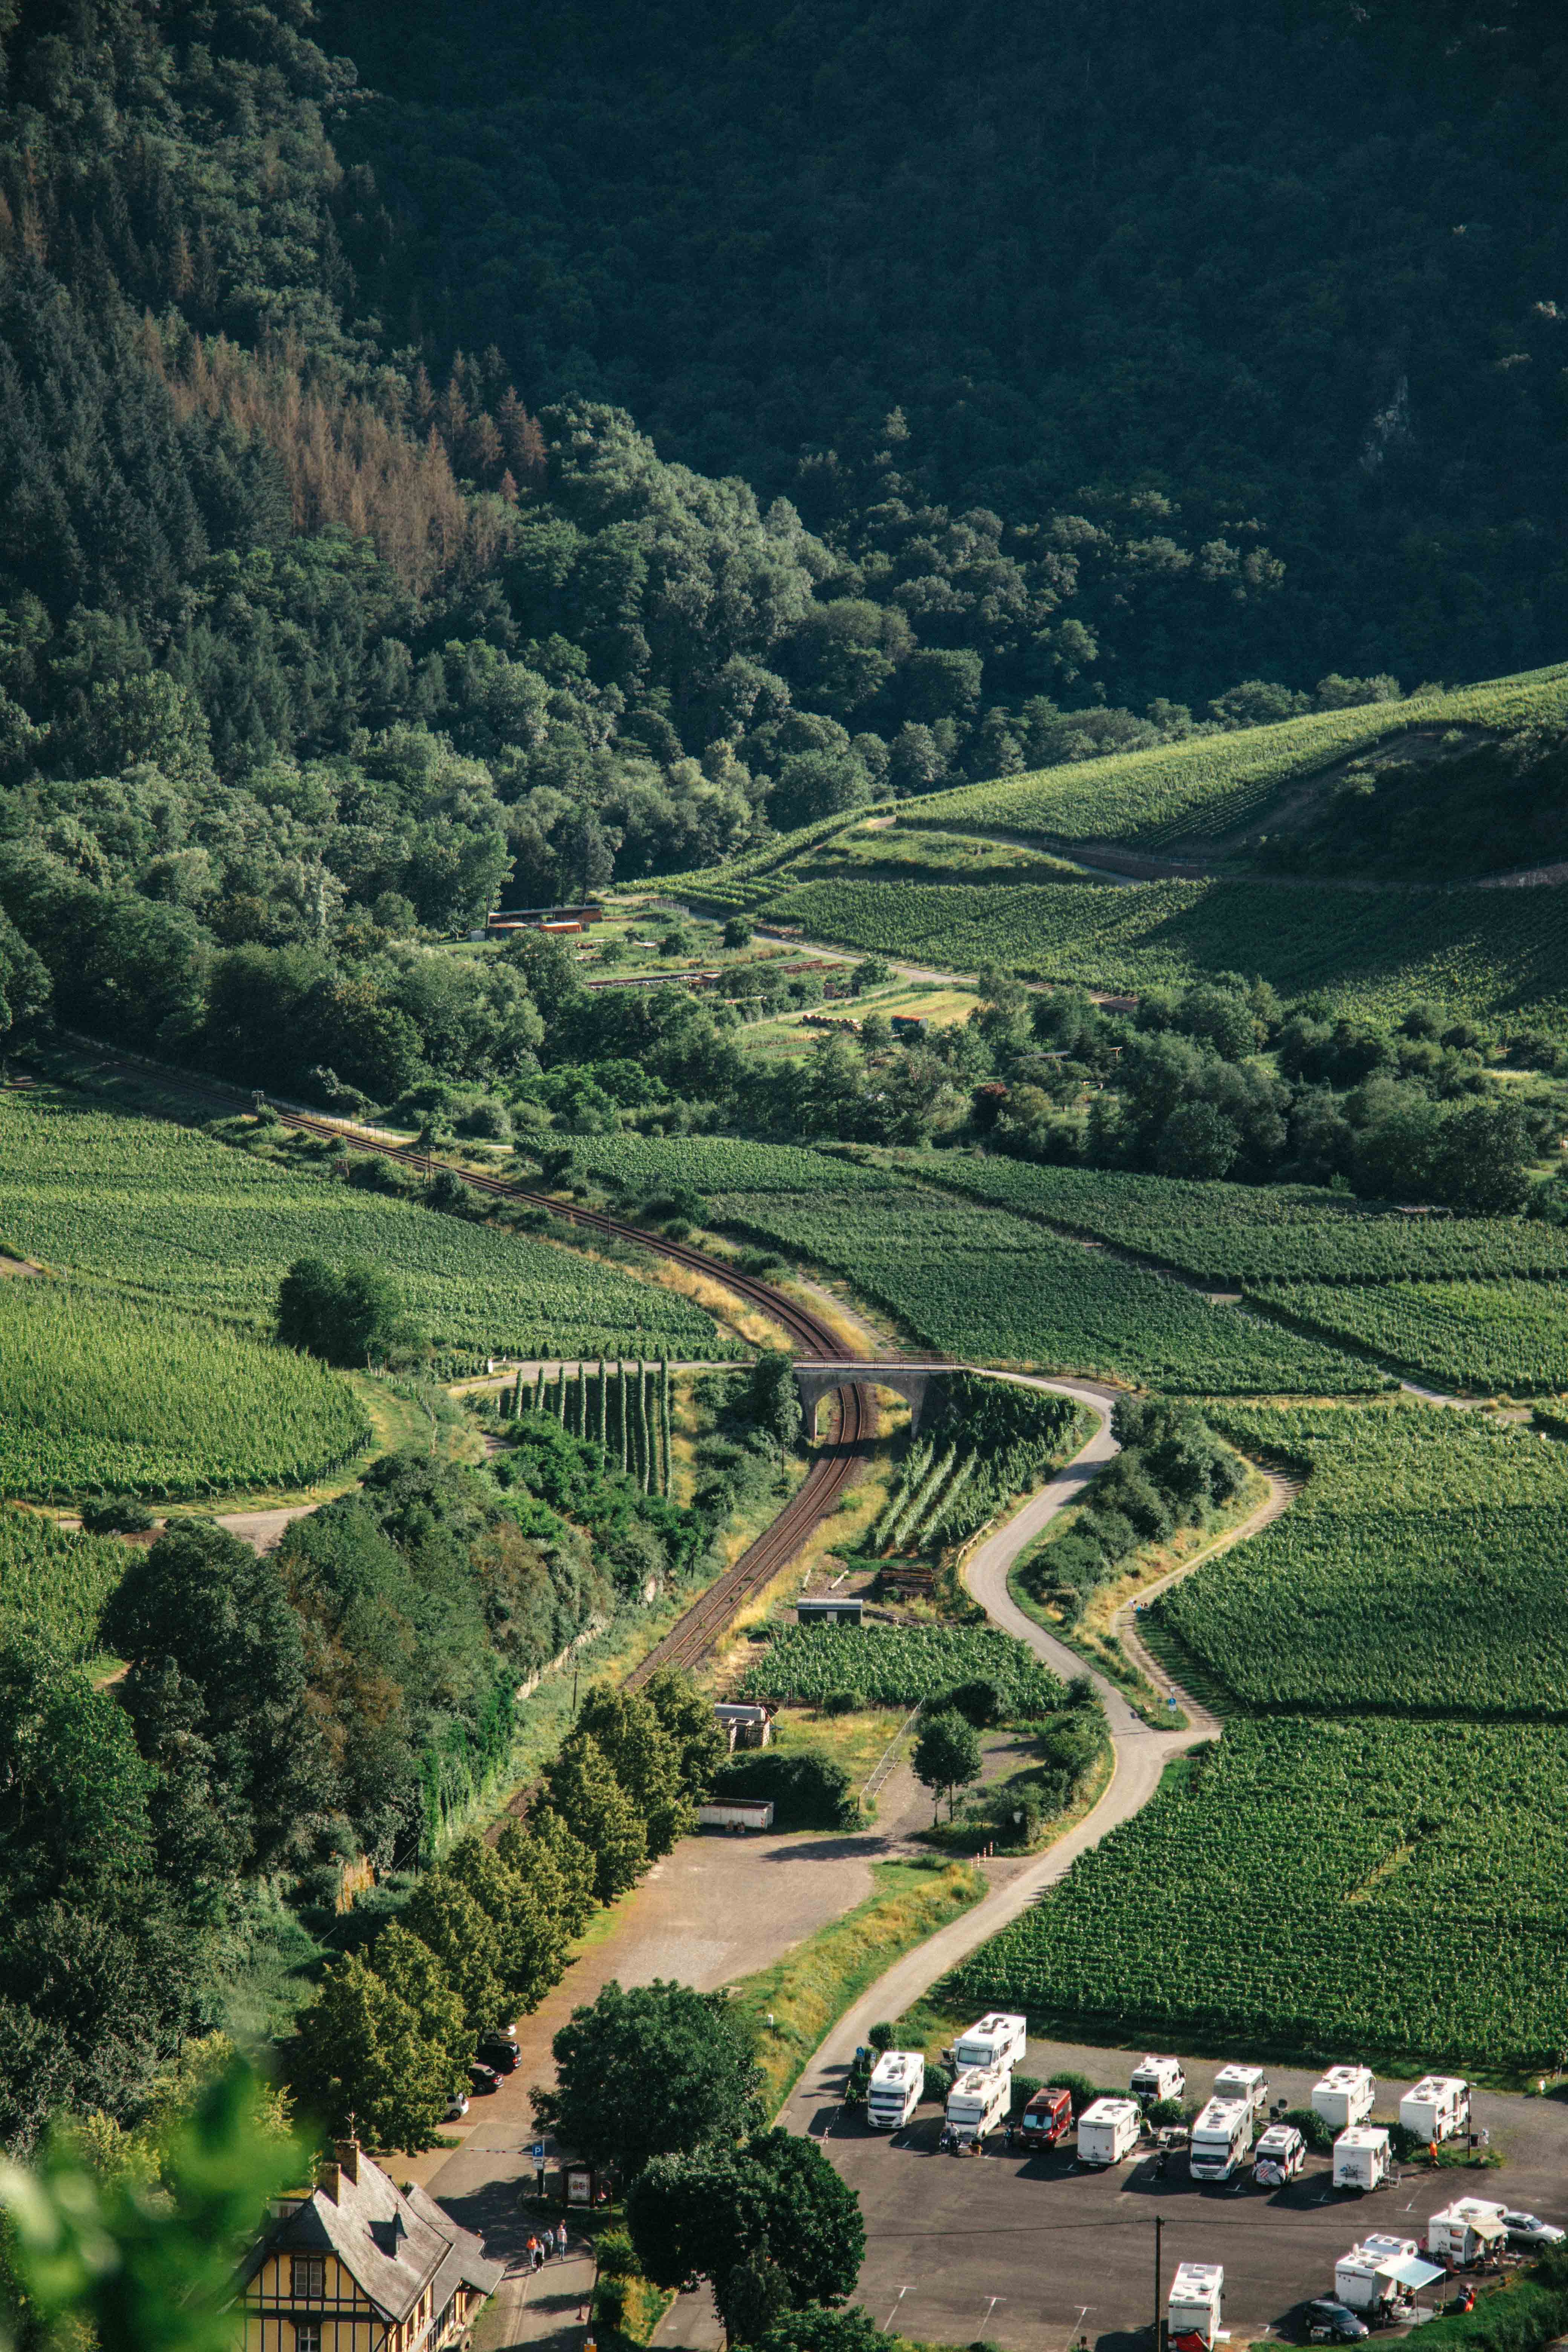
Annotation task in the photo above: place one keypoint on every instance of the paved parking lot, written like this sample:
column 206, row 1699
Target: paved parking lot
column 1029, row 2252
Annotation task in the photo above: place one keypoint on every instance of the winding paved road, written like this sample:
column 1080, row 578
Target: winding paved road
column 1140, row 1755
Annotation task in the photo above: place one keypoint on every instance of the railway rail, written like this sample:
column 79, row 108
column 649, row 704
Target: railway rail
column 835, row 1466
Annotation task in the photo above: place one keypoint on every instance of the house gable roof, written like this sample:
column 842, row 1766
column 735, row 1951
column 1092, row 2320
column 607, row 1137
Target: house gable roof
column 393, row 2244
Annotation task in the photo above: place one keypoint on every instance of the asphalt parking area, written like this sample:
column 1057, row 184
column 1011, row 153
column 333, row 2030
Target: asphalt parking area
column 1029, row 2252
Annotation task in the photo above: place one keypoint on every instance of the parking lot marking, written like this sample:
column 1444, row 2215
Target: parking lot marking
column 888, row 2323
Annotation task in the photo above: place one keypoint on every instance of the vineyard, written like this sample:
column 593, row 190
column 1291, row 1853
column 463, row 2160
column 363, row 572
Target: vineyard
column 55, row 1582
column 806, row 1666
column 1207, row 787
column 713, row 1163
column 993, row 1441
column 152, row 1403
column 1419, row 1569
column 1471, row 953
column 625, row 1411
column 981, row 1284
column 1507, row 1337
column 164, row 1214
column 1318, row 1889
column 1228, row 1234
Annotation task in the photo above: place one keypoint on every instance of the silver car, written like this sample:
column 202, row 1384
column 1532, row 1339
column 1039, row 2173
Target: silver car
column 1530, row 2230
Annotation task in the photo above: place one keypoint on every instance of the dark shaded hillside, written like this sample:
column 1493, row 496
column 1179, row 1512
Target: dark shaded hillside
column 1235, row 289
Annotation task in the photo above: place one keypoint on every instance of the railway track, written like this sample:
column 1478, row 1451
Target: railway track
column 836, row 1466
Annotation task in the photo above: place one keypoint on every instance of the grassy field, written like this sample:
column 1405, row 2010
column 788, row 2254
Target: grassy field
column 54, row 1581
column 151, row 1401
column 1470, row 952
column 993, row 1288
column 1228, row 1234
column 159, row 1215
column 1314, row 1887
column 1207, row 788
column 1490, row 1338
column 1420, row 1568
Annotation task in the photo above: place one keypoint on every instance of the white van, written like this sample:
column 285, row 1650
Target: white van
column 1155, row 2079
column 1108, row 2132
column 1361, row 2158
column 1243, row 2083
column 1196, row 2306
column 894, row 2092
column 1345, row 2096
column 977, row 2104
column 1221, row 2138
column 996, row 2040
column 1437, row 2108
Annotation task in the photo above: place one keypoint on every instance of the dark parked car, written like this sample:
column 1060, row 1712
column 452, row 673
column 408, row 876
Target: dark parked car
column 482, row 2077
column 1327, row 2322
column 499, row 2053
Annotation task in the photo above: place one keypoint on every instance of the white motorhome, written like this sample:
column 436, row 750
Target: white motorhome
column 1155, row 2079
column 898, row 2080
column 1361, row 2158
column 1281, row 2156
column 1108, row 2131
column 1379, row 2273
column 1345, row 2096
column 1221, row 2138
column 1463, row 2232
column 1196, row 2306
column 977, row 2104
column 1243, row 2083
column 996, row 2040
column 1437, row 2108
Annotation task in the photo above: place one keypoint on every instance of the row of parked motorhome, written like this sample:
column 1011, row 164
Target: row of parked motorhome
column 1110, row 2128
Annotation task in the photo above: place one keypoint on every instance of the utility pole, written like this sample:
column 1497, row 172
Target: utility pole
column 1159, row 2229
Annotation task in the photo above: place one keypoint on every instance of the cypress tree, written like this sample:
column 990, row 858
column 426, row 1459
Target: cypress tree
column 664, row 1425
column 644, row 1434
column 602, row 1409
column 560, row 1396
column 621, row 1412
column 516, row 1394
column 581, row 1408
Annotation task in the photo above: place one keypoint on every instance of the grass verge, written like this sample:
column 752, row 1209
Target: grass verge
column 811, row 1987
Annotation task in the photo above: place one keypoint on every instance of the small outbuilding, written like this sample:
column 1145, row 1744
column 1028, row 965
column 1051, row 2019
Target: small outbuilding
column 829, row 1608
column 747, row 1726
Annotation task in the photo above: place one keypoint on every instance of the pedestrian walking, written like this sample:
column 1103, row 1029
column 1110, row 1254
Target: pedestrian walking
column 561, row 2240
column 533, row 2253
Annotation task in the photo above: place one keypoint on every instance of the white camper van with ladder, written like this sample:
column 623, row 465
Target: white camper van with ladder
column 1249, row 2083
column 1437, row 2108
column 1108, row 2132
column 1345, row 2096
column 898, row 2080
column 977, row 2104
column 1221, row 2138
column 1155, row 2079
column 1467, row 2232
column 995, row 2040
column 1379, row 2278
column 1197, row 2307
column 1361, row 2158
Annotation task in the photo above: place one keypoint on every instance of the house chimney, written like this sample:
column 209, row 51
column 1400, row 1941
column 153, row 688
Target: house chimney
column 327, row 2182
column 347, row 2157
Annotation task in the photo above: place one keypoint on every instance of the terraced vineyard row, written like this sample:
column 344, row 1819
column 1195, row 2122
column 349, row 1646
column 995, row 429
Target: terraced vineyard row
column 899, row 1665
column 1318, row 1888
column 1419, row 1569
column 1496, row 1338
column 55, row 1581
column 163, row 1214
column 1228, row 1234
column 982, row 1285
column 1472, row 953
column 1206, row 787
column 157, row 1403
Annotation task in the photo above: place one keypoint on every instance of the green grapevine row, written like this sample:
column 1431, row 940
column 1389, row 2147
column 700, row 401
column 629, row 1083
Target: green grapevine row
column 897, row 1666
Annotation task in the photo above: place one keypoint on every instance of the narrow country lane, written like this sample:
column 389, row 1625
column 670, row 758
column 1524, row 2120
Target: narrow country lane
column 1140, row 1754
